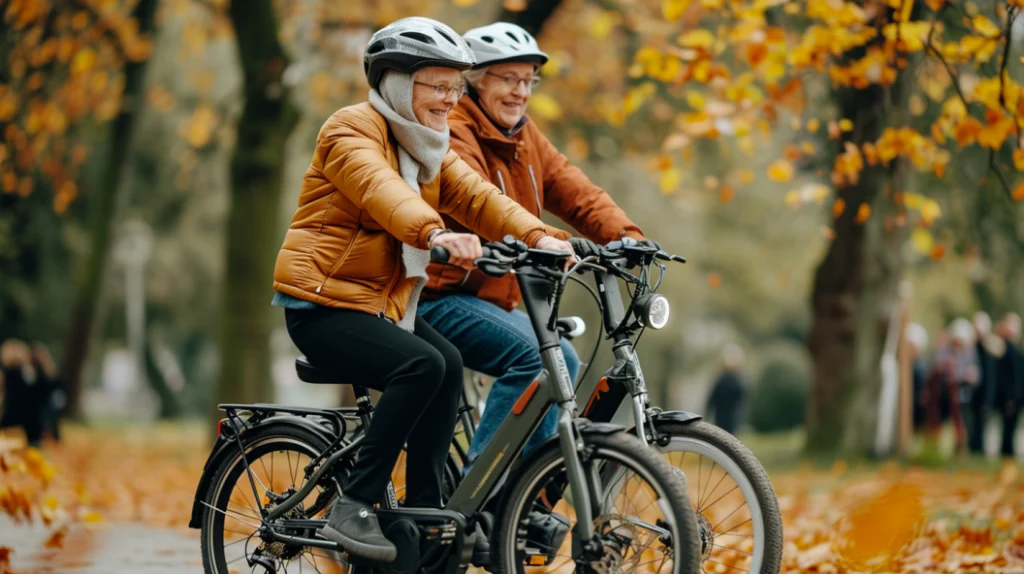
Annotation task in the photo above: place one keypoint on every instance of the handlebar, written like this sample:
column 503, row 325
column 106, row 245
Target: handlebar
column 500, row 258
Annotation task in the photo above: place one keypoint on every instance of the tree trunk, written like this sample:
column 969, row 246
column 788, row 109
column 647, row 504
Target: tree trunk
column 855, row 287
column 104, row 203
column 256, row 173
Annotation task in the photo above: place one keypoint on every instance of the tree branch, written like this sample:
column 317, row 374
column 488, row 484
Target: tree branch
column 994, row 167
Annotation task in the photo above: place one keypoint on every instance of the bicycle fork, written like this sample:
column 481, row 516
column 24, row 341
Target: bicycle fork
column 582, row 483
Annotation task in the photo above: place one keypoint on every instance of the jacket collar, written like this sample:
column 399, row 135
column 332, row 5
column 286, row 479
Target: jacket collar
column 486, row 129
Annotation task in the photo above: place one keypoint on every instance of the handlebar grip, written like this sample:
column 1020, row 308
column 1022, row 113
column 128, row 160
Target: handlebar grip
column 439, row 254
column 491, row 268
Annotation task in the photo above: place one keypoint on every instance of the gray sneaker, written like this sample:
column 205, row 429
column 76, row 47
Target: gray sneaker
column 353, row 525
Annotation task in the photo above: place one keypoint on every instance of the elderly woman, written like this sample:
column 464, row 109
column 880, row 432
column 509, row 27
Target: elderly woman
column 355, row 255
column 492, row 133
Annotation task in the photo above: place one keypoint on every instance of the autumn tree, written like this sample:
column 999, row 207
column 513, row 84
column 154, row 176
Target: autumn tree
column 878, row 112
column 72, row 66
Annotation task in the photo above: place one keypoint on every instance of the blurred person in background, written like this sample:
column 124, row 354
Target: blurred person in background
column 728, row 394
column 988, row 347
column 951, row 382
column 917, row 341
column 26, row 391
column 1009, row 380
column 51, row 387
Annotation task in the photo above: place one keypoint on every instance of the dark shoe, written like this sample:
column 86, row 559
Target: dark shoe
column 353, row 525
column 545, row 532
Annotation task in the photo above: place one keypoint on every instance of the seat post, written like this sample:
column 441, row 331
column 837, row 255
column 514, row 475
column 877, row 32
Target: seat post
column 363, row 402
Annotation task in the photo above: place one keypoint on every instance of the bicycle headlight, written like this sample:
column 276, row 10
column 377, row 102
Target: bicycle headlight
column 653, row 310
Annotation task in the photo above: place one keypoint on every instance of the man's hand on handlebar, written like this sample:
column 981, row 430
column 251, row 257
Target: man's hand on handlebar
column 584, row 247
column 549, row 243
column 463, row 248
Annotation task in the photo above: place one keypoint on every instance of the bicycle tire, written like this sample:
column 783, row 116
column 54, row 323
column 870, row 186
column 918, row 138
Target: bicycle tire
column 752, row 471
column 261, row 439
column 627, row 450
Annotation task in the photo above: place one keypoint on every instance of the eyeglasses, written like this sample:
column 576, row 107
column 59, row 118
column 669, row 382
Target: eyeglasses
column 512, row 81
column 444, row 89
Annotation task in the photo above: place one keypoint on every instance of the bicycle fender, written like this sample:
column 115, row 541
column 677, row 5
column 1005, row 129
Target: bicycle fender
column 676, row 417
column 226, row 447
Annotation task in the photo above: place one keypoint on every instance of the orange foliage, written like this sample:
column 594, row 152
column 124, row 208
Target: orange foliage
column 65, row 62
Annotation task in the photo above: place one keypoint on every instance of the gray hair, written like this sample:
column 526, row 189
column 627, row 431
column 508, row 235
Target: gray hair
column 475, row 76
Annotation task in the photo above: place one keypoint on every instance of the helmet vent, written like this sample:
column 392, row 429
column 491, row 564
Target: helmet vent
column 488, row 39
column 418, row 36
column 513, row 36
column 376, row 47
column 446, row 37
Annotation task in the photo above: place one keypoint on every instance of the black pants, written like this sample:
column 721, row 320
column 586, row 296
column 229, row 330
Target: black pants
column 420, row 377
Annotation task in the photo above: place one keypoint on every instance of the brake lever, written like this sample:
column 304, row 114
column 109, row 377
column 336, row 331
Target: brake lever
column 666, row 257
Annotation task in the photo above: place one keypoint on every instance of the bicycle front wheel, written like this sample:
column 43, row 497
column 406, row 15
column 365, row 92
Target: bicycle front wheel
column 643, row 523
column 737, row 509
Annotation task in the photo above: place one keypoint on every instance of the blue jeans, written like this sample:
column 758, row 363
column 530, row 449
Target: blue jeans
column 499, row 344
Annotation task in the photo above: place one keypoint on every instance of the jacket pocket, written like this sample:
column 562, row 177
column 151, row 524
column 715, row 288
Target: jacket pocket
column 341, row 260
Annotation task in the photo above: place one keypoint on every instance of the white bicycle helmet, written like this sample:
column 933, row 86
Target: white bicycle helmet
column 412, row 43
column 503, row 42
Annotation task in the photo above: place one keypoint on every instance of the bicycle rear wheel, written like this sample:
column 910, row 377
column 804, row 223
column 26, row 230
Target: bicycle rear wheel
column 276, row 456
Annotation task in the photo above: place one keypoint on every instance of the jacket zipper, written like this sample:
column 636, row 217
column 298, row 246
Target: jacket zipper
column 341, row 259
column 501, row 180
column 383, row 313
column 536, row 194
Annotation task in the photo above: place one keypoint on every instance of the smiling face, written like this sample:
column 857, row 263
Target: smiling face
column 430, row 106
column 506, row 103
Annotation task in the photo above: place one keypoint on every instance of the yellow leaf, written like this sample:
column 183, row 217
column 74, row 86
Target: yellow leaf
column 83, row 61
column 846, row 125
column 917, row 105
column 813, row 124
column 1018, row 159
column 198, row 129
column 669, row 180
column 464, row 3
column 780, row 170
column 807, row 148
column 747, row 145
column 985, row 27
column 792, row 199
column 863, row 213
column 906, row 7
column 695, row 99
column 930, row 211
column 697, row 39
column 602, row 24
column 545, row 107
column 746, row 176
column 674, row 9
column 51, row 502
column 922, row 241
column 92, row 517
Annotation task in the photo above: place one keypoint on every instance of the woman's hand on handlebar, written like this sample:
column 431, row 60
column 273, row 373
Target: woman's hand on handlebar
column 463, row 248
column 549, row 243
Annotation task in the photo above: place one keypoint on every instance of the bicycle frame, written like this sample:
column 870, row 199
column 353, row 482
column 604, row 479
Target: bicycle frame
column 553, row 387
